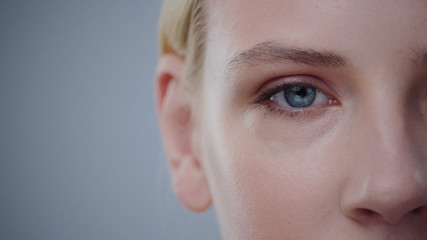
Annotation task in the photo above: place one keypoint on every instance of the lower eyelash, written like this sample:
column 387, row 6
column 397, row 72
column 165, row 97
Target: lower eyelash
column 269, row 106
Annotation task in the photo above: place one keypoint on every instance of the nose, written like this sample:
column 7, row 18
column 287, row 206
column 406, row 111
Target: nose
column 388, row 182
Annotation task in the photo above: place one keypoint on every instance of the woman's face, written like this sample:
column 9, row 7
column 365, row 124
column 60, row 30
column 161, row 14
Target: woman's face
column 312, row 118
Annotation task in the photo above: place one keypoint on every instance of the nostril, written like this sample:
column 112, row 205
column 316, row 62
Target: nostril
column 417, row 210
column 367, row 213
column 420, row 211
column 363, row 214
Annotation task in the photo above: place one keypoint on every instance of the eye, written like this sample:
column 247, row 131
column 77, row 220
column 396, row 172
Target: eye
column 296, row 95
column 300, row 96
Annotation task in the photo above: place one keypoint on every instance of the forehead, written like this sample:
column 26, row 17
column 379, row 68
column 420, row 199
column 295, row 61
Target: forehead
column 384, row 25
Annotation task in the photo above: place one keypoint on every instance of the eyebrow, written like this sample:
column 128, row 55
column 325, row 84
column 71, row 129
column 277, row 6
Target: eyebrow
column 420, row 56
column 272, row 52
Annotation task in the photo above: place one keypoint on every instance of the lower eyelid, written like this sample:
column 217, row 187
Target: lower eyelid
column 300, row 113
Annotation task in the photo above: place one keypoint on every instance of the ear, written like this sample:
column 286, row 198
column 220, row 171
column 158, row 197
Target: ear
column 174, row 113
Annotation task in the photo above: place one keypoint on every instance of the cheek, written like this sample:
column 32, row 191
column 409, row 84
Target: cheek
column 265, row 183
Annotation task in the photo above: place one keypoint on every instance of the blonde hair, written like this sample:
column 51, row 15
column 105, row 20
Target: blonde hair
column 182, row 32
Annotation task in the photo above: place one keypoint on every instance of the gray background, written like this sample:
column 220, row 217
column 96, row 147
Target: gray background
column 80, row 152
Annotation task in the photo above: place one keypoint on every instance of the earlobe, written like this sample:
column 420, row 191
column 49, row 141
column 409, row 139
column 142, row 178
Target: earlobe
column 190, row 185
column 174, row 113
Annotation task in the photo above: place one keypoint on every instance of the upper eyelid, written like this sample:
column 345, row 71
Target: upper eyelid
column 296, row 80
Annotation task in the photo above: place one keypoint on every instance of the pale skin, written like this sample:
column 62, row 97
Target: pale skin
column 350, row 165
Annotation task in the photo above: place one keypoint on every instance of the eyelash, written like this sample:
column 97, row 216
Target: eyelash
column 263, row 99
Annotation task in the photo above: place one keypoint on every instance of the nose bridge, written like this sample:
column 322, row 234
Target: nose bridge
column 384, row 114
column 395, row 164
column 392, row 182
column 389, row 126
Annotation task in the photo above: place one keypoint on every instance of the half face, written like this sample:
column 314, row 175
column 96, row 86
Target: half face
column 313, row 118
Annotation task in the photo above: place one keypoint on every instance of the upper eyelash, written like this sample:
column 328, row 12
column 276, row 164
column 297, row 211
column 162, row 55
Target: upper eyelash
column 267, row 94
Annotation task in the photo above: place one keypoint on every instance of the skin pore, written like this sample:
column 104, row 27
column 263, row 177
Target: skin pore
column 310, row 120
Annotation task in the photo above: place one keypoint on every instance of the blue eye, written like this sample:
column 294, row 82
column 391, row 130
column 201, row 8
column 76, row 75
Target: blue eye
column 300, row 97
column 296, row 95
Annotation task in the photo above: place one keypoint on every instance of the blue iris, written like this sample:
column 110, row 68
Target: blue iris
column 300, row 96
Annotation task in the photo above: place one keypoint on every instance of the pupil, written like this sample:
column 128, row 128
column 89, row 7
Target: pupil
column 302, row 92
column 300, row 96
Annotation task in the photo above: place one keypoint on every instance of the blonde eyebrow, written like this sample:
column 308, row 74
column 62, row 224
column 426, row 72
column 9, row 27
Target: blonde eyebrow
column 420, row 56
column 272, row 52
